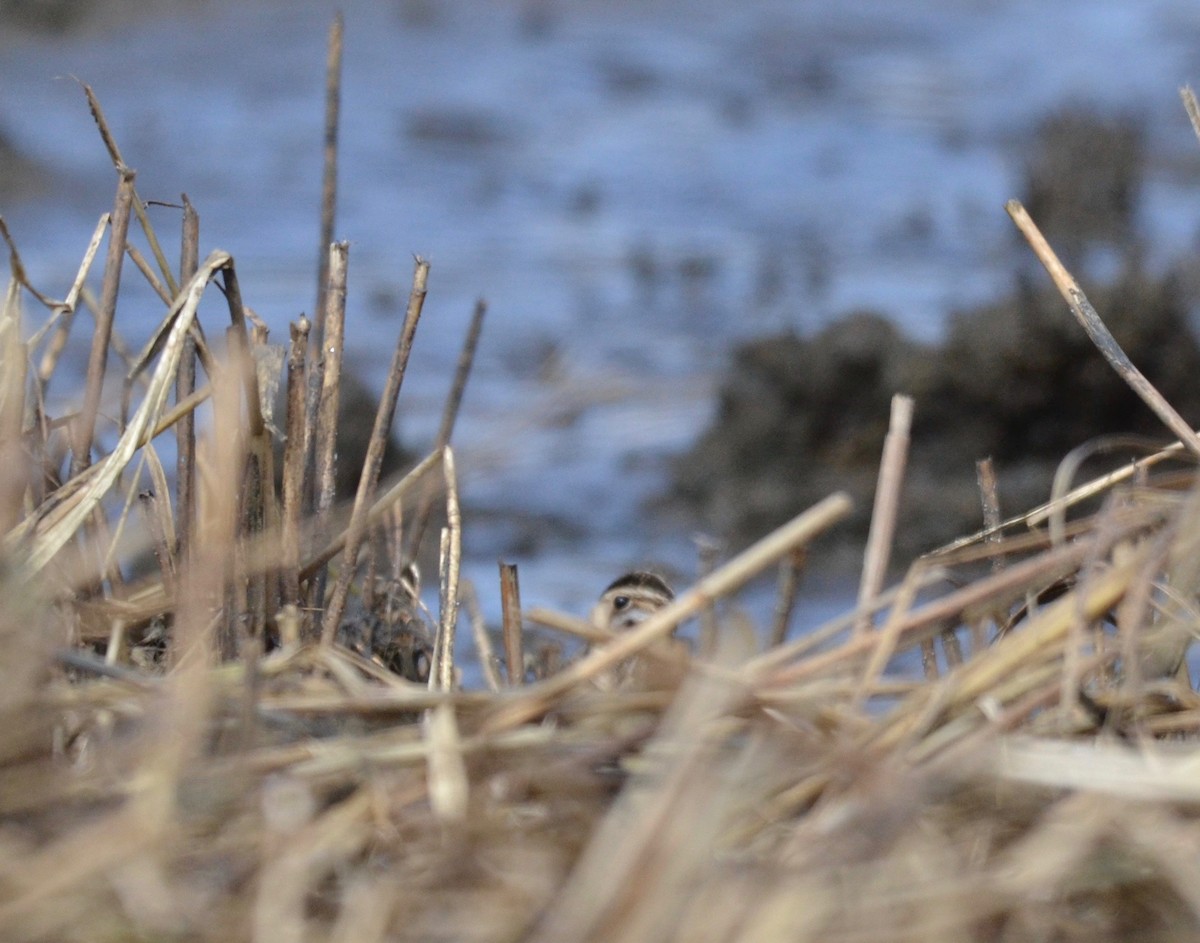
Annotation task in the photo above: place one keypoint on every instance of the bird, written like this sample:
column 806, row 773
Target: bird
column 630, row 599
column 625, row 603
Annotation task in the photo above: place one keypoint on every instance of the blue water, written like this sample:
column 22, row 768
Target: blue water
column 632, row 186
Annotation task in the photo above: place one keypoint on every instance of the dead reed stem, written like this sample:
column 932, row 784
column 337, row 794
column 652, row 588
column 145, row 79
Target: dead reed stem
column 369, row 477
column 331, row 334
column 1100, row 335
column 441, row 676
column 85, row 424
column 294, row 451
column 887, row 502
column 462, row 372
column 329, row 176
column 139, row 208
column 510, row 615
column 185, row 386
column 787, row 592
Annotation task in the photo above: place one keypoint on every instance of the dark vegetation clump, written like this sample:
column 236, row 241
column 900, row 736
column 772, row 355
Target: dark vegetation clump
column 1015, row 380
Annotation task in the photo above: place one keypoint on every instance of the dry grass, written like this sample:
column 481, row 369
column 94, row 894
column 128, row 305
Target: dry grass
column 1000, row 747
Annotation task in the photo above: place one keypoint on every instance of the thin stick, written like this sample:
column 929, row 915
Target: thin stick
column 466, row 358
column 333, row 96
column 185, row 386
column 241, row 343
column 787, row 590
column 143, row 266
column 66, row 313
column 1086, row 315
column 139, row 208
column 17, row 267
column 294, row 450
column 488, row 662
column 887, row 501
column 325, row 433
column 1192, row 107
column 13, row 477
column 443, row 656
column 85, row 425
column 155, row 523
column 889, row 635
column 800, row 530
column 369, row 476
column 510, row 610
column 989, row 496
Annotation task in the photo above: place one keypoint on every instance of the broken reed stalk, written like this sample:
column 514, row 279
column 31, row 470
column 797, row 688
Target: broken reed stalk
column 787, row 589
column 989, row 497
column 329, row 176
column 152, row 280
column 64, row 313
column 488, row 662
column 380, row 432
column 139, row 208
column 462, row 372
column 1192, row 107
column 85, row 423
column 13, row 376
column 294, row 451
column 324, row 438
column 185, row 386
column 17, row 273
column 441, row 675
column 887, row 503
column 510, row 621
column 1086, row 315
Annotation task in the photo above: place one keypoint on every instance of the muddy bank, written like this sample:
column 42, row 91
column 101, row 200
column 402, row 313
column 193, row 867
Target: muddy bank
column 1019, row 381
column 1016, row 380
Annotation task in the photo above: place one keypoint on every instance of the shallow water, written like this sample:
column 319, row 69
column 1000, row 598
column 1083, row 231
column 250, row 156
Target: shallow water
column 632, row 186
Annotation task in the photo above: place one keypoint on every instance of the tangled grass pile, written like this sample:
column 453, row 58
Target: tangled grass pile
column 1002, row 746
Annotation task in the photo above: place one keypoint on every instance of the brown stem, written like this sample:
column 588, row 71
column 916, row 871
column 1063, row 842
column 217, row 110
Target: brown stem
column 185, row 386
column 325, row 437
column 333, row 94
column 1086, row 315
column 369, row 476
column 510, row 602
column 85, row 425
column 293, row 461
column 466, row 358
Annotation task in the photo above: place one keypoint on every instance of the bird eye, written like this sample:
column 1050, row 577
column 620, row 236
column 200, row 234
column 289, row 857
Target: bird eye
column 621, row 602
